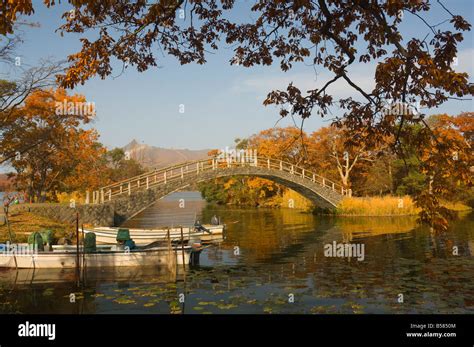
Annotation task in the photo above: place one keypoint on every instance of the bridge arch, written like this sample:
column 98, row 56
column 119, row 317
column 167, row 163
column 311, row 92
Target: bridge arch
column 132, row 195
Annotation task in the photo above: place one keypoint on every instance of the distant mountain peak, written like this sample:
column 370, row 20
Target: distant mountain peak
column 132, row 144
column 158, row 157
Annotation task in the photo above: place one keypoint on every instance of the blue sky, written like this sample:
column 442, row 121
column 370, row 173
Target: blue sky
column 222, row 101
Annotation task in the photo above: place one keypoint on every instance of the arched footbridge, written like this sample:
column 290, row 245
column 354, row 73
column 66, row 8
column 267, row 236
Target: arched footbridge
column 136, row 193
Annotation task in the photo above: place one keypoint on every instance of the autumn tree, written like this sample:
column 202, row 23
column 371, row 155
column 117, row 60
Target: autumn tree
column 17, row 82
column 287, row 144
column 378, row 178
column 87, row 170
column 330, row 34
column 65, row 154
column 447, row 144
column 240, row 190
column 280, row 143
column 119, row 166
column 408, row 179
column 329, row 154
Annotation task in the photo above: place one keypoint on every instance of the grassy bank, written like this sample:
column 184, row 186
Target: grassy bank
column 386, row 206
column 24, row 223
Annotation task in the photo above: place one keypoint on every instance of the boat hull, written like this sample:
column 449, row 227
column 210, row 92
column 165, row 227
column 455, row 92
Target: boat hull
column 65, row 260
column 144, row 237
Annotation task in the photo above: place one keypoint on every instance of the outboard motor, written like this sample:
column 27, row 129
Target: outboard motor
column 215, row 220
column 199, row 227
column 196, row 248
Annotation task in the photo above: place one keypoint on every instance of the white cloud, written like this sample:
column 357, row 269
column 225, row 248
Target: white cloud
column 361, row 74
column 465, row 62
column 261, row 85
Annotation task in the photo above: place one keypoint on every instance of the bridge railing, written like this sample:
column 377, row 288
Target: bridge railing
column 281, row 165
column 186, row 170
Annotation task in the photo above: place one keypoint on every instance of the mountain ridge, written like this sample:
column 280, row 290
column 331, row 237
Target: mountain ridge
column 159, row 157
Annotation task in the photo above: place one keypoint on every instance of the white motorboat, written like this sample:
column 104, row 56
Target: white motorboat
column 206, row 233
column 104, row 256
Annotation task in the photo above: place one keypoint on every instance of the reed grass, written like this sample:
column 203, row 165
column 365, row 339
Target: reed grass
column 387, row 206
column 377, row 206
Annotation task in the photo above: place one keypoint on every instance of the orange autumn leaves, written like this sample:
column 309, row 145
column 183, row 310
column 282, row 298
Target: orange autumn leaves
column 10, row 10
column 53, row 151
column 447, row 159
column 435, row 165
column 322, row 152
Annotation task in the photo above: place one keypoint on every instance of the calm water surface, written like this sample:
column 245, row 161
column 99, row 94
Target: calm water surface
column 268, row 258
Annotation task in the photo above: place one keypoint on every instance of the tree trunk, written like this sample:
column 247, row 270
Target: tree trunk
column 390, row 175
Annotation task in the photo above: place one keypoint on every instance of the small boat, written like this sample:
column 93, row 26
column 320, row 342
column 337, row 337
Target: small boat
column 65, row 257
column 206, row 233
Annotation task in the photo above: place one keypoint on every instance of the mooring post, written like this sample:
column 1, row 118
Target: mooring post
column 102, row 198
column 182, row 173
column 121, row 189
column 314, row 178
column 268, row 163
column 281, row 165
column 164, row 176
column 302, row 173
column 78, row 269
column 87, row 197
column 147, row 183
column 324, row 182
column 333, row 188
column 292, row 170
column 110, row 194
column 182, row 250
column 129, row 188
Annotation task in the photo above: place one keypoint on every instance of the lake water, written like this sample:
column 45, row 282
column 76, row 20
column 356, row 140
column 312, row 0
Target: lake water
column 272, row 261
